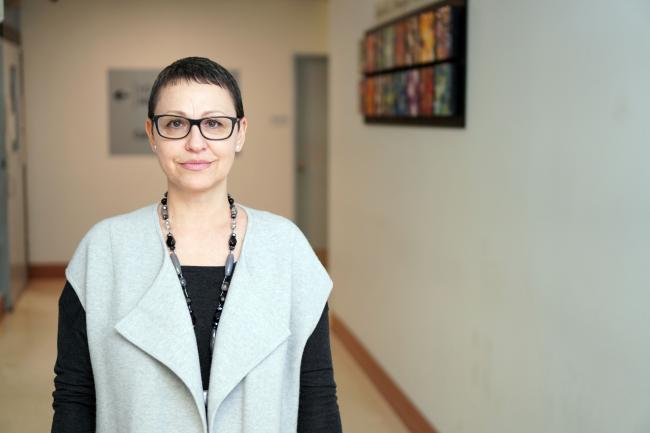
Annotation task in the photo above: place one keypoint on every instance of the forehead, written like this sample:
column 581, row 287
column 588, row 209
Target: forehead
column 194, row 99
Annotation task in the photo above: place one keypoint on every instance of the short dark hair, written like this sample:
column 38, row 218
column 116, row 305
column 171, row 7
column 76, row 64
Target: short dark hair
column 200, row 70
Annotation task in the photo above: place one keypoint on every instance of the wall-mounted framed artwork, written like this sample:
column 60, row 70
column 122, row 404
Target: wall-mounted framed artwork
column 413, row 67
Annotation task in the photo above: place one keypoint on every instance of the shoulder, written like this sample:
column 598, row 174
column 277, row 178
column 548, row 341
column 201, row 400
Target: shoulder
column 274, row 230
column 279, row 237
column 269, row 224
column 133, row 221
column 98, row 239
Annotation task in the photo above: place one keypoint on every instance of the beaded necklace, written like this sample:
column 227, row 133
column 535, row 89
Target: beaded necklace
column 230, row 262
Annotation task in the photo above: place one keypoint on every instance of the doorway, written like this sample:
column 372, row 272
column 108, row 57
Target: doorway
column 311, row 120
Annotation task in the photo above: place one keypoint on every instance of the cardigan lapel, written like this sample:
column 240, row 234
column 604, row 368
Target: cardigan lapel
column 251, row 324
column 161, row 326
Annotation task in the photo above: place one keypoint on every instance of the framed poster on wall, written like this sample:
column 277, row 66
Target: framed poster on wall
column 413, row 67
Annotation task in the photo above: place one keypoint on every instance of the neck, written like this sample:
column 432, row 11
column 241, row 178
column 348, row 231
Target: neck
column 198, row 209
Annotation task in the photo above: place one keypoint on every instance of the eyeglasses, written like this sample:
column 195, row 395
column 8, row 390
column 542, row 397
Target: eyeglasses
column 211, row 128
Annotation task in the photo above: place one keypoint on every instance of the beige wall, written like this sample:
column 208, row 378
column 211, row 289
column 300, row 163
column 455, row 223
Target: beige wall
column 72, row 180
column 500, row 272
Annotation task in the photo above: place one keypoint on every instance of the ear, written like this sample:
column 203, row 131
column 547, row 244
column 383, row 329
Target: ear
column 241, row 134
column 148, row 127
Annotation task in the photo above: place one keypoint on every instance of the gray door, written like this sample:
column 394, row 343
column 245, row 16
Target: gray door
column 311, row 148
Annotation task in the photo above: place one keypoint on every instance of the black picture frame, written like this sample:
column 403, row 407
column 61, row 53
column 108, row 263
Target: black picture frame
column 413, row 67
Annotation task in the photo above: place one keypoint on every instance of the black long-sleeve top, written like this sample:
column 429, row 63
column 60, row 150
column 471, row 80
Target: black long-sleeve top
column 74, row 394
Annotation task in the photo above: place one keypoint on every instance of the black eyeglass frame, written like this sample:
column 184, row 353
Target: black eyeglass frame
column 197, row 122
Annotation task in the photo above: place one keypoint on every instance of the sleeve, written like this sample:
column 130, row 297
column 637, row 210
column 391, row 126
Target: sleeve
column 318, row 409
column 74, row 394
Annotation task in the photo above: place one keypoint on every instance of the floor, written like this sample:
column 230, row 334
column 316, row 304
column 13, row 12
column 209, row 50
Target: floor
column 28, row 351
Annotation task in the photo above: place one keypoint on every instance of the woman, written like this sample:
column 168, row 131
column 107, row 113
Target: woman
column 146, row 339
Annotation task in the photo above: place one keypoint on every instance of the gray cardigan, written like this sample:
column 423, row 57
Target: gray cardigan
column 142, row 344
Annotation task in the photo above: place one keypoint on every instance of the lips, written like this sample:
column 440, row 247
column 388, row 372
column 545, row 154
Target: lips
column 196, row 165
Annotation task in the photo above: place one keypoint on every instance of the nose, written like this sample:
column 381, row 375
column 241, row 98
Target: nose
column 195, row 140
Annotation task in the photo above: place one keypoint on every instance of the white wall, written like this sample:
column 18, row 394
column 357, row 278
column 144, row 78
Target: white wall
column 69, row 45
column 500, row 273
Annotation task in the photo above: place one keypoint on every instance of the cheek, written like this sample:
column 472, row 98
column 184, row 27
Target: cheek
column 224, row 151
column 166, row 160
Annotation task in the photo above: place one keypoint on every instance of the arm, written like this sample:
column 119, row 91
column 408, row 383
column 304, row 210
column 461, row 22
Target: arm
column 318, row 409
column 74, row 394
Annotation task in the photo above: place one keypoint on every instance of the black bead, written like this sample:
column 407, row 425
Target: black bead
column 171, row 242
column 164, row 201
column 233, row 241
column 230, row 199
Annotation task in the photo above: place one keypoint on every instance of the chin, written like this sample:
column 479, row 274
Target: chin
column 199, row 186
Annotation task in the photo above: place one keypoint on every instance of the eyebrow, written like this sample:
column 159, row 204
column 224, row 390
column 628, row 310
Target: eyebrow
column 182, row 113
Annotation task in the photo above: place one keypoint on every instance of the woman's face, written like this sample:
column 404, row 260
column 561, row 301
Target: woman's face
column 194, row 100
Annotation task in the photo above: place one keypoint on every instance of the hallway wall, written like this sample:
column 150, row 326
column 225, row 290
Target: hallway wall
column 499, row 273
column 69, row 46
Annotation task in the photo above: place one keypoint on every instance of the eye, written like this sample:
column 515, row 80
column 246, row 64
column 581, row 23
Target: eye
column 175, row 123
column 213, row 123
